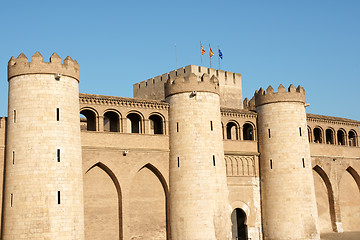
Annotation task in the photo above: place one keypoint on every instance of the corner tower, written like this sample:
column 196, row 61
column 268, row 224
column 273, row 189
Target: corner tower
column 198, row 190
column 287, row 187
column 43, row 174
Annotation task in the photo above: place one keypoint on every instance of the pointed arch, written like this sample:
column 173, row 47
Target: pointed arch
column 162, row 180
column 355, row 175
column 330, row 193
column 114, row 179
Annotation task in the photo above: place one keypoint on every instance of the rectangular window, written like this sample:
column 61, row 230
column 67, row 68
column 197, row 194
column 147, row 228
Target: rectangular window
column 13, row 157
column 271, row 165
column 11, row 199
column 58, row 197
column 177, row 127
column 178, row 159
column 269, row 133
column 300, row 131
column 58, row 155
column 57, row 114
column 211, row 125
column 214, row 160
column 303, row 162
column 14, row 116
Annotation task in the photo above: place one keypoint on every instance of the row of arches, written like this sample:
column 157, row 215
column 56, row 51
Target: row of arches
column 104, row 206
column 112, row 121
column 340, row 203
column 234, row 131
column 331, row 136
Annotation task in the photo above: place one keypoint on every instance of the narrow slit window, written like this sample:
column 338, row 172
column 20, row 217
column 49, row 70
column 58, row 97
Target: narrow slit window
column 178, row 161
column 58, row 155
column 58, row 197
column 57, row 114
column 303, row 162
column 211, row 126
column 14, row 116
column 13, row 157
column 300, row 131
column 269, row 133
column 11, row 199
column 271, row 164
column 177, row 127
column 214, row 160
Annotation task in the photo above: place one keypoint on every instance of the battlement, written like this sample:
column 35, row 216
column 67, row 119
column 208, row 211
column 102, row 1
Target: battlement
column 292, row 95
column 191, row 83
column 229, row 84
column 225, row 77
column 21, row 66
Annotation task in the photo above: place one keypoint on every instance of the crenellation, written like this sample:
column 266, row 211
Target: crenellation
column 22, row 66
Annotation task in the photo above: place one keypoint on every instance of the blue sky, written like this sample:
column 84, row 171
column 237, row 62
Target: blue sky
column 314, row 43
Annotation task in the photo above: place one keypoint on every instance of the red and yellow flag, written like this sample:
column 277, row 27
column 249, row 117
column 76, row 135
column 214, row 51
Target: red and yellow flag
column 202, row 49
column 210, row 51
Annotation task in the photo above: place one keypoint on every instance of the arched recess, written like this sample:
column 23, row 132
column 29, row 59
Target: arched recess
column 248, row 131
column 240, row 220
column 232, row 130
column 309, row 134
column 330, row 136
column 349, row 200
column 102, row 203
column 112, row 121
column 88, row 119
column 325, row 200
column 149, row 205
column 156, row 122
column 352, row 138
column 318, row 135
column 341, row 137
column 134, row 122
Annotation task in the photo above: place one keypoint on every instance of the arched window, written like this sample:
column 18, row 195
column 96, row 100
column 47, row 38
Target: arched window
column 111, row 122
column 352, row 138
column 156, row 124
column 239, row 227
column 329, row 136
column 318, row 135
column 134, row 123
column 88, row 120
column 341, row 137
column 248, row 132
column 232, row 131
column 309, row 133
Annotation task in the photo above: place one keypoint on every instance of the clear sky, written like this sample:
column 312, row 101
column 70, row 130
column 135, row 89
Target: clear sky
column 314, row 43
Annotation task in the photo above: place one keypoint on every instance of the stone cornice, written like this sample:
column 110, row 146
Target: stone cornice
column 331, row 120
column 231, row 112
column 121, row 101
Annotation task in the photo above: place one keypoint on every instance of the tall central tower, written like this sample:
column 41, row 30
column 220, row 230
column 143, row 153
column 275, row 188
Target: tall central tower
column 198, row 190
column 43, row 196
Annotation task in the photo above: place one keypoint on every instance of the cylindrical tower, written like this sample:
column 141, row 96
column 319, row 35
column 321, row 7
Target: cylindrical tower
column 43, row 175
column 198, row 190
column 287, row 187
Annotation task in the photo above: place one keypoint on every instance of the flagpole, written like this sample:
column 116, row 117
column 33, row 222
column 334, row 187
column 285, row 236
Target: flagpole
column 219, row 56
column 210, row 55
column 201, row 53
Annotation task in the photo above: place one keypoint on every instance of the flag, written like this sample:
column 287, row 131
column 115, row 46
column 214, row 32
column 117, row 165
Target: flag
column 210, row 51
column 220, row 54
column 202, row 49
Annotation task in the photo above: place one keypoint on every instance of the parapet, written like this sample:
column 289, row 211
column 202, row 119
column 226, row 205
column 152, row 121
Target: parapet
column 292, row 95
column 191, row 83
column 21, row 66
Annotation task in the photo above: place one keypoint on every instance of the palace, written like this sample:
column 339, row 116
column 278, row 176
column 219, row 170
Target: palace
column 186, row 158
